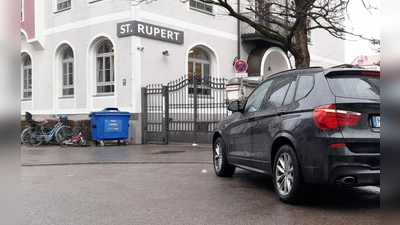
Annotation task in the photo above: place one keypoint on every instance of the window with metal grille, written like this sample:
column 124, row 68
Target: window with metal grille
column 199, row 72
column 63, row 4
column 27, row 78
column 200, row 6
column 105, row 68
column 68, row 73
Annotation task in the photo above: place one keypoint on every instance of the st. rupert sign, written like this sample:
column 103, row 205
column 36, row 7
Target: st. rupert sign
column 149, row 30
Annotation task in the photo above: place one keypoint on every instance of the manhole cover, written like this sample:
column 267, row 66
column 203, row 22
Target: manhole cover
column 168, row 152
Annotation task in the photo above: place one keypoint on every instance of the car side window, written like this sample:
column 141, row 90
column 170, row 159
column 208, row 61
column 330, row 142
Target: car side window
column 255, row 99
column 278, row 92
column 306, row 84
column 290, row 93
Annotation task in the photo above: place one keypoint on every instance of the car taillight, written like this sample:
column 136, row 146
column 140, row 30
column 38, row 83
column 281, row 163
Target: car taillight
column 368, row 73
column 337, row 145
column 327, row 117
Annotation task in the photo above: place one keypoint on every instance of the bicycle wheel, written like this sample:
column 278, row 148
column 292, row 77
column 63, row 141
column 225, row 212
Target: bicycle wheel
column 26, row 135
column 81, row 142
column 63, row 143
column 63, row 132
column 29, row 138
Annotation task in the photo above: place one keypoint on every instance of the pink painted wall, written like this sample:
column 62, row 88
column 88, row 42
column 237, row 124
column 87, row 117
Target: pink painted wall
column 366, row 60
column 28, row 25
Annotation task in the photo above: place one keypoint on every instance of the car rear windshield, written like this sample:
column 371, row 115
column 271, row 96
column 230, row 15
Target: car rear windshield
column 355, row 86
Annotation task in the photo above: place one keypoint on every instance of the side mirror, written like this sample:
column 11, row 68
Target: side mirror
column 233, row 106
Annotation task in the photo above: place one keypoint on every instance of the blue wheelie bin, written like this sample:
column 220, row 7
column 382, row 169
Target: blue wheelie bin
column 109, row 124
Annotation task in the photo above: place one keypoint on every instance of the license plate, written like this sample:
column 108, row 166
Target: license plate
column 376, row 121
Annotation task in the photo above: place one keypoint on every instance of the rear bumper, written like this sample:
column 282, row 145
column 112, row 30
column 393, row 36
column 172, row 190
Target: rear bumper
column 363, row 167
column 362, row 175
column 333, row 164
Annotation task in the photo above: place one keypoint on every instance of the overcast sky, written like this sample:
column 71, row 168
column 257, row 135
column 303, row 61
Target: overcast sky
column 365, row 23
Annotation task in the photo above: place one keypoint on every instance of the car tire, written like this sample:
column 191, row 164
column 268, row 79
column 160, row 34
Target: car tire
column 221, row 166
column 287, row 177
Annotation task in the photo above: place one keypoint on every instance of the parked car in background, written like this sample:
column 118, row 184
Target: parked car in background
column 302, row 126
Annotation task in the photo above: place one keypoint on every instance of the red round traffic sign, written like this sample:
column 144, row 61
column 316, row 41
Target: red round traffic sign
column 240, row 66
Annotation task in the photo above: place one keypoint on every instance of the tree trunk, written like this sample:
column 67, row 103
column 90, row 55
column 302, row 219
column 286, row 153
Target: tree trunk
column 302, row 58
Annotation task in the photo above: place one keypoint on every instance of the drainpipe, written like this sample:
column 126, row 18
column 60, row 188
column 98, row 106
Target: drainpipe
column 238, row 46
column 238, row 31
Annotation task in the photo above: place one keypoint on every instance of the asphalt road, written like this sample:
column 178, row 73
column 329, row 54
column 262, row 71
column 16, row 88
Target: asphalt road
column 113, row 153
column 178, row 193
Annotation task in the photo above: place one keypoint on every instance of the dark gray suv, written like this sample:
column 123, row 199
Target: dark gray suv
column 310, row 125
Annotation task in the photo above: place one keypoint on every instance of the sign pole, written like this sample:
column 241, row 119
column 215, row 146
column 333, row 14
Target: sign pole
column 241, row 87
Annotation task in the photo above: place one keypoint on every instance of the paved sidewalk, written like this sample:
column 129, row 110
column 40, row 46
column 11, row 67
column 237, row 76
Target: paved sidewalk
column 113, row 153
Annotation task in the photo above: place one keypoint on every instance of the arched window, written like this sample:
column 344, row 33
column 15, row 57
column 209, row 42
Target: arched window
column 105, row 68
column 199, row 68
column 68, row 73
column 27, row 78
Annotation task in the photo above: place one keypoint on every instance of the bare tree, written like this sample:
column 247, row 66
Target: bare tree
column 376, row 42
column 289, row 21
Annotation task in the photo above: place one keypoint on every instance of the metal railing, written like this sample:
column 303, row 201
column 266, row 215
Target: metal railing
column 184, row 110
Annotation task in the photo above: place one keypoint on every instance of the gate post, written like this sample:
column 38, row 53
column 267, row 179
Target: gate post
column 144, row 115
column 165, row 114
column 194, row 108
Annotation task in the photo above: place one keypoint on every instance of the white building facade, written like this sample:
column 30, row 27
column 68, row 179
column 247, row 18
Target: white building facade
column 79, row 56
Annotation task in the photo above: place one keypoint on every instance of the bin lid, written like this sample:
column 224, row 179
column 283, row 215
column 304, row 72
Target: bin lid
column 109, row 111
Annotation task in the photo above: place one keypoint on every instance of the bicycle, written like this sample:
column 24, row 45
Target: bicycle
column 78, row 140
column 35, row 134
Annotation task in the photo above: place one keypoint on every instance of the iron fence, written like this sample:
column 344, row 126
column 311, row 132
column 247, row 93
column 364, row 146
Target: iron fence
column 184, row 110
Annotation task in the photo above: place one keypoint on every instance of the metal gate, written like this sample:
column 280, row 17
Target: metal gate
column 185, row 110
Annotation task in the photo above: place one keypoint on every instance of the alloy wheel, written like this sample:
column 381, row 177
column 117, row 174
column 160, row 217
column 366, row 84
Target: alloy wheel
column 217, row 156
column 284, row 174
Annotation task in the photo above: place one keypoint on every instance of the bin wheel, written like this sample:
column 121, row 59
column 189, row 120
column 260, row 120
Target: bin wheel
column 102, row 143
column 125, row 142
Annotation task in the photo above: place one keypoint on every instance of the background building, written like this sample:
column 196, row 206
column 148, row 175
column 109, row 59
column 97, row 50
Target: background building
column 368, row 61
column 79, row 56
